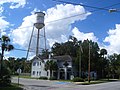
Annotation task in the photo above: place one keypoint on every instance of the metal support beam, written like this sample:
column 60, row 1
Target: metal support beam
column 37, row 47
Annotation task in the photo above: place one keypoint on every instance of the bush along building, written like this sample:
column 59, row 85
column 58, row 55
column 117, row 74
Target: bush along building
column 59, row 67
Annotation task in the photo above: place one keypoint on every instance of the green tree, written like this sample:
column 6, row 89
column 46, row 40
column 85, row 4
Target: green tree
column 45, row 53
column 5, row 46
column 118, row 66
column 103, row 71
column 103, row 52
column 72, row 48
column 11, row 64
column 94, row 55
column 114, row 65
column 52, row 66
column 23, row 64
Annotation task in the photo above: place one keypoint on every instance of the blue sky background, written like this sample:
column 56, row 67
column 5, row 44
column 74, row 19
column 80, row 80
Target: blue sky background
column 17, row 19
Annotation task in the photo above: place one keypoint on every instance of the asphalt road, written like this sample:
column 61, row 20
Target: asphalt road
column 33, row 84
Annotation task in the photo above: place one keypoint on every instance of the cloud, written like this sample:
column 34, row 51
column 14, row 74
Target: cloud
column 113, row 39
column 22, row 34
column 83, row 36
column 14, row 3
column 57, row 29
column 60, row 29
column 3, row 25
column 1, row 10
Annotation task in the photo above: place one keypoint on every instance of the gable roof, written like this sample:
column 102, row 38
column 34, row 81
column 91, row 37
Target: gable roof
column 39, row 58
column 63, row 58
column 58, row 58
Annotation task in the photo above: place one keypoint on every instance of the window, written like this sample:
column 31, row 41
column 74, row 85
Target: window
column 47, row 73
column 37, row 63
column 34, row 63
column 39, row 73
column 40, row 63
column 33, row 72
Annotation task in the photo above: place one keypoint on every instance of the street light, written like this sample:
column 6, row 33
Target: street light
column 114, row 10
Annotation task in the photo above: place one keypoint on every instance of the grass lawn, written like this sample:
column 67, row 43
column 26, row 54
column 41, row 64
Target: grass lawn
column 11, row 87
column 96, row 82
column 28, row 77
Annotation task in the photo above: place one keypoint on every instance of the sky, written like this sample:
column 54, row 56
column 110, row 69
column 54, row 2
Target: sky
column 17, row 18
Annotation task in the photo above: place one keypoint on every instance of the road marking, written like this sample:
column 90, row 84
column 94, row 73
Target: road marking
column 62, row 83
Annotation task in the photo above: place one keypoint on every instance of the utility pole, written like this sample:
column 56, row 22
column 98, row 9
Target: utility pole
column 1, row 65
column 81, row 51
column 80, row 64
column 89, row 65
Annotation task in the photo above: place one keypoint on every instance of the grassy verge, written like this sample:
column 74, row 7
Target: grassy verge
column 13, row 86
column 28, row 77
column 96, row 82
column 93, row 82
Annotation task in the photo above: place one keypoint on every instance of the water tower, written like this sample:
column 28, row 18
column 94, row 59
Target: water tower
column 39, row 20
column 39, row 25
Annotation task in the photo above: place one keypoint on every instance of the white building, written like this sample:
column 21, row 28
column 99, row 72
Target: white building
column 64, row 67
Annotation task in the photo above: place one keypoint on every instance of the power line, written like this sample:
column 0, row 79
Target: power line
column 112, row 5
column 96, row 2
column 20, row 49
column 81, row 5
column 69, row 17
column 98, row 8
column 78, row 14
column 103, row 8
column 25, row 50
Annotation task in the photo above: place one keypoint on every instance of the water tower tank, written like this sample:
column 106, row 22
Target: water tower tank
column 39, row 20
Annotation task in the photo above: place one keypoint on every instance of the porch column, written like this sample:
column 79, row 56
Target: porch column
column 58, row 73
column 65, row 73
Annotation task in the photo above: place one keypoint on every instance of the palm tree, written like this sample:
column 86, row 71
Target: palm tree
column 74, row 39
column 51, row 65
column 103, row 52
column 5, row 46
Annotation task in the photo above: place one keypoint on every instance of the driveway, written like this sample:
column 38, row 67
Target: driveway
column 33, row 84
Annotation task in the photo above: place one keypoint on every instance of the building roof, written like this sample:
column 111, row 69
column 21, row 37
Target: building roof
column 58, row 58
column 39, row 58
column 63, row 58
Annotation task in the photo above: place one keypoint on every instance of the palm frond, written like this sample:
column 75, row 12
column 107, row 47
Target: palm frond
column 10, row 47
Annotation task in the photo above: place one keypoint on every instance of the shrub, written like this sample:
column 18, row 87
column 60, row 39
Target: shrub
column 91, row 79
column 52, row 78
column 42, row 77
column 78, row 79
column 5, row 78
column 16, row 73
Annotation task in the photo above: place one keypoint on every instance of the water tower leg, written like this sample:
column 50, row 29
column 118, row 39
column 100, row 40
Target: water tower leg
column 37, row 47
